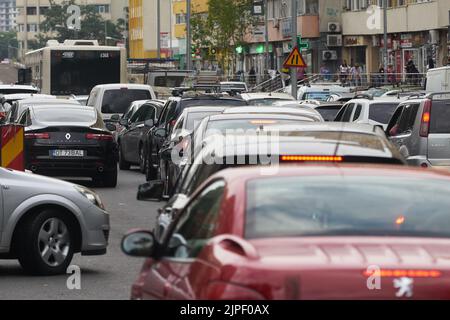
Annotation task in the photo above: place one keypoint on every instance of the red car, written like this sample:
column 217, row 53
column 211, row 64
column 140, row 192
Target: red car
column 309, row 232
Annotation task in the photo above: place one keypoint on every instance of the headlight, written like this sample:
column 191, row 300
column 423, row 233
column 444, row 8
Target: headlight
column 91, row 196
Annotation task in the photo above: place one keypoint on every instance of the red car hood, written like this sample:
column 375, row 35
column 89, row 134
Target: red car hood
column 337, row 267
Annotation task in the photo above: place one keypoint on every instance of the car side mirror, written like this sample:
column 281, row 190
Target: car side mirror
column 139, row 243
column 115, row 117
column 151, row 191
column 149, row 123
column 161, row 133
column 110, row 126
column 124, row 122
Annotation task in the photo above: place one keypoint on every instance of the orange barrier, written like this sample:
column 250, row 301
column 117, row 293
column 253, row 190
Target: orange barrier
column 12, row 147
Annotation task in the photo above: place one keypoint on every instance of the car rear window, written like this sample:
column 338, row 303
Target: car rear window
column 347, row 205
column 382, row 112
column 67, row 115
column 194, row 118
column 329, row 113
column 213, row 103
column 250, row 124
column 118, row 100
column 266, row 101
column 440, row 117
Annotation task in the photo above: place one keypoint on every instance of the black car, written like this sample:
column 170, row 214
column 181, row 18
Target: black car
column 134, row 129
column 69, row 142
column 156, row 137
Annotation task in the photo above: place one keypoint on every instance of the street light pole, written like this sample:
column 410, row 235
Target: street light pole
column 385, row 48
column 158, row 29
column 266, row 24
column 294, row 44
column 188, row 36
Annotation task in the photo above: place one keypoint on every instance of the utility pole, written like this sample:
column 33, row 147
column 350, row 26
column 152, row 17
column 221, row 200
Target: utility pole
column 266, row 24
column 385, row 47
column 158, row 29
column 188, row 36
column 294, row 44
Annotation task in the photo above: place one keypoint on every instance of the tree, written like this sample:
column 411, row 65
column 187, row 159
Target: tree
column 8, row 45
column 228, row 22
column 93, row 26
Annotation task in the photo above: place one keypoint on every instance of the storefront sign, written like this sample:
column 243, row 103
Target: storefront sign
column 354, row 41
column 406, row 40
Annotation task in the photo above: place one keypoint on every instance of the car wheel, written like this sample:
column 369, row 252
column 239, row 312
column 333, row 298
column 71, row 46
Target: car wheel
column 46, row 243
column 142, row 161
column 108, row 179
column 150, row 172
column 123, row 164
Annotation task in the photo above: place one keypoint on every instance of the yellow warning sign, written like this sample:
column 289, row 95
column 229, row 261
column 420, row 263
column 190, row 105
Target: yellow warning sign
column 295, row 59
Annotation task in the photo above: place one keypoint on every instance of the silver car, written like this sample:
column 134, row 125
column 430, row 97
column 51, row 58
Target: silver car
column 420, row 127
column 44, row 222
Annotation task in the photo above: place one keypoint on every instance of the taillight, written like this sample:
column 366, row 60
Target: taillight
column 425, row 121
column 99, row 136
column 228, row 291
column 312, row 159
column 36, row 136
column 404, row 273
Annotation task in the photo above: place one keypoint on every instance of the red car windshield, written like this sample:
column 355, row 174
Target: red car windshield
column 347, row 205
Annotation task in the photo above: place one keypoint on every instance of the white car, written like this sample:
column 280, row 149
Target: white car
column 265, row 99
column 14, row 88
column 113, row 100
column 235, row 86
column 376, row 112
column 319, row 92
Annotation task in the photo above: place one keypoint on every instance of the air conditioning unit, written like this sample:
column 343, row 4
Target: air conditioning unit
column 334, row 40
column 329, row 55
column 334, row 27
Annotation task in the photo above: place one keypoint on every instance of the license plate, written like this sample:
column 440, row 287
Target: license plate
column 67, row 153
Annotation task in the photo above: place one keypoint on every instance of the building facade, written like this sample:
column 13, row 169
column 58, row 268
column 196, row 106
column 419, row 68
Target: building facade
column 31, row 13
column 7, row 15
column 417, row 31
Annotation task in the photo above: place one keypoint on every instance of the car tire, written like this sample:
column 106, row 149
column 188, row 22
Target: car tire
column 123, row 164
column 46, row 243
column 109, row 178
column 142, row 160
column 150, row 172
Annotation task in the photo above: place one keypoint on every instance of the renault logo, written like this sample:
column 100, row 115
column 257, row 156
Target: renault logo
column 68, row 136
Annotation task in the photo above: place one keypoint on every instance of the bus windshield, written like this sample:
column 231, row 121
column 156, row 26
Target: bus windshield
column 77, row 72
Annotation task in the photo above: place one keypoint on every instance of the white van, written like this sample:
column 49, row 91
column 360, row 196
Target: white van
column 114, row 99
column 438, row 80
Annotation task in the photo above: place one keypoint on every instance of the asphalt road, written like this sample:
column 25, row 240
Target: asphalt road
column 104, row 277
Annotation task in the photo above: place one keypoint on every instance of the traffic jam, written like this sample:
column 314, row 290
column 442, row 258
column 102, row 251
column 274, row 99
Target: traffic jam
column 321, row 189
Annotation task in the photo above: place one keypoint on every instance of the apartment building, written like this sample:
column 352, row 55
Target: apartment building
column 417, row 31
column 7, row 15
column 143, row 28
column 30, row 14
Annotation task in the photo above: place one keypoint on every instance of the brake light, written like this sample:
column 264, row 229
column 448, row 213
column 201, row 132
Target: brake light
column 312, row 159
column 404, row 273
column 426, row 117
column 99, row 136
column 36, row 136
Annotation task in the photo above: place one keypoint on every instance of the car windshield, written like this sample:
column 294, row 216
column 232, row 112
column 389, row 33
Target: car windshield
column 440, row 117
column 266, row 101
column 249, row 124
column 118, row 100
column 321, row 96
column 382, row 112
column 347, row 205
column 194, row 118
column 67, row 115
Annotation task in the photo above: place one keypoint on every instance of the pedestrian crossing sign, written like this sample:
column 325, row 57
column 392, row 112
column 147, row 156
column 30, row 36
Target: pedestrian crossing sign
column 295, row 59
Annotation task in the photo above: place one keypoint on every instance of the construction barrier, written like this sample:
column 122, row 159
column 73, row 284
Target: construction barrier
column 12, row 147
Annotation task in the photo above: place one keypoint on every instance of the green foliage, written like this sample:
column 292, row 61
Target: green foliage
column 93, row 26
column 8, row 45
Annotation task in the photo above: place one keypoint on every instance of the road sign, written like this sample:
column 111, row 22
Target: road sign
column 295, row 59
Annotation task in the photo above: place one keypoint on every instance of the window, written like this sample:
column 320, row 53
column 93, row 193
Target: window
column 382, row 112
column 144, row 113
column 32, row 27
column 180, row 18
column 440, row 117
column 31, row 11
column 348, row 113
column 357, row 112
column 407, row 119
column 197, row 223
column 118, row 100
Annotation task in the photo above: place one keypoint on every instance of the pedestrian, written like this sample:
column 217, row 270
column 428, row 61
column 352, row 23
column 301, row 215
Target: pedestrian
column 391, row 76
column 431, row 64
column 252, row 76
column 324, row 72
column 343, row 72
column 380, row 75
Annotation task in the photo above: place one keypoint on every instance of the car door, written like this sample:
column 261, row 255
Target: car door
column 137, row 129
column 402, row 131
column 196, row 225
column 159, row 140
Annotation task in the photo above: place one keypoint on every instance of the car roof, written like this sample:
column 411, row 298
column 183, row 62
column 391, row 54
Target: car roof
column 204, row 109
column 123, row 85
column 305, row 111
column 376, row 101
column 70, row 107
column 243, row 174
column 266, row 95
column 50, row 101
column 254, row 116
column 17, row 86
column 23, row 96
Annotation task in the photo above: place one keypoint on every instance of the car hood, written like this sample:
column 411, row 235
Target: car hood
column 29, row 178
